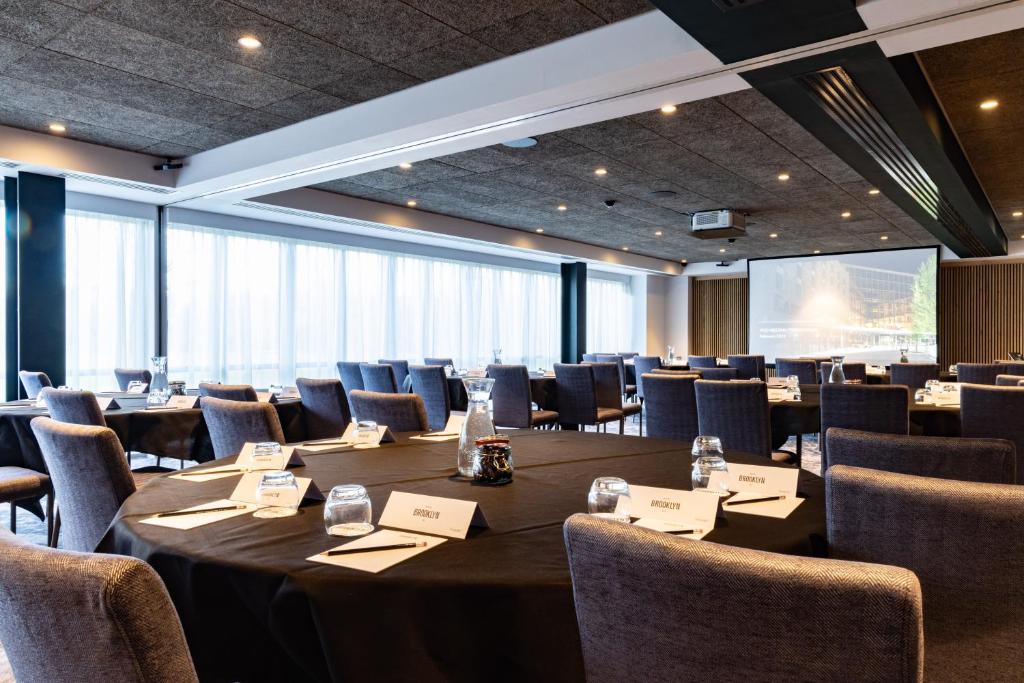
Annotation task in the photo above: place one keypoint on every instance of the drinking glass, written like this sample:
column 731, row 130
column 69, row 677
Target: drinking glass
column 276, row 389
column 449, row 370
column 609, row 499
column 933, row 386
column 280, row 492
column 366, row 432
column 919, row 396
column 262, row 454
column 671, row 353
column 348, row 511
column 497, row 356
column 708, row 458
column 706, row 446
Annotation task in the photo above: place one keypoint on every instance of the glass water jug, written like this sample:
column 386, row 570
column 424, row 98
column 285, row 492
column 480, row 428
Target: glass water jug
column 159, row 389
column 478, row 422
column 837, row 376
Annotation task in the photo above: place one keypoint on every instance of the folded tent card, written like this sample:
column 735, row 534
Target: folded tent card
column 452, row 430
column 247, row 489
column 247, row 461
column 759, row 490
column 137, row 387
column 449, row 517
column 673, row 510
column 107, row 403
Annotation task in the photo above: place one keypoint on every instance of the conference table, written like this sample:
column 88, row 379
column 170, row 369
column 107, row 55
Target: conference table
column 496, row 606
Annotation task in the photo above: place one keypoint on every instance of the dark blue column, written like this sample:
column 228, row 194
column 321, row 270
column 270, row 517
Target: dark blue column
column 41, row 287
column 574, row 312
column 11, row 384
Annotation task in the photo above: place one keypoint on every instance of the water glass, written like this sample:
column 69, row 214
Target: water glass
column 701, row 475
column 348, row 511
column 609, row 499
column 366, row 432
column 704, row 446
column 280, row 492
column 276, row 389
column 497, row 356
column 792, row 382
column 920, row 395
column 671, row 353
column 933, row 386
column 262, row 454
column 449, row 370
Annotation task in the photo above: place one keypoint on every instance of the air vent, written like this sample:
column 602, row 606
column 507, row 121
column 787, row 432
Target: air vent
column 730, row 5
column 836, row 93
column 127, row 184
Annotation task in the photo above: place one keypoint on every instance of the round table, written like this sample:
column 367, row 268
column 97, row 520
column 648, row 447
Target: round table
column 496, row 606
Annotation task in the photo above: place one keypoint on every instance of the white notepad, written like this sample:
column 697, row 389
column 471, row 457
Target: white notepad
column 202, row 519
column 375, row 562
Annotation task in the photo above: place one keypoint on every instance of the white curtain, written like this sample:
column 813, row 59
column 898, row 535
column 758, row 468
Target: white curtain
column 609, row 315
column 260, row 310
column 111, row 279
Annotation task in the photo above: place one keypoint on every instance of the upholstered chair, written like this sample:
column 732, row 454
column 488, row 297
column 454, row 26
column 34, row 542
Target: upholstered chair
column 34, row 382
column 378, row 378
column 75, row 407
column 400, row 412
column 126, row 376
column 702, row 361
column 643, row 365
column 913, row 375
column 577, row 397
column 234, row 423
column 737, row 413
column 866, row 407
column 228, row 392
column 431, row 384
column 804, row 368
column 401, row 367
column 857, row 371
column 980, row 373
column 512, row 401
column 718, row 374
column 747, row 366
column 671, row 406
column 324, row 407
column 351, row 379
column 439, row 361
column 994, row 413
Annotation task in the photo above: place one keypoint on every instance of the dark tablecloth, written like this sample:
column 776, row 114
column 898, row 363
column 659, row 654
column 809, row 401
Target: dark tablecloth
column 495, row 607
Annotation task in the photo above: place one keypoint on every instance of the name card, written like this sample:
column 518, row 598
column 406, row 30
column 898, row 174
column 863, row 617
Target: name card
column 367, row 439
column 107, row 403
column 246, row 490
column 287, row 457
column 179, row 402
column 137, row 387
column 432, row 515
column 693, row 508
column 266, row 397
column 452, row 430
column 780, row 481
column 476, row 373
column 776, row 394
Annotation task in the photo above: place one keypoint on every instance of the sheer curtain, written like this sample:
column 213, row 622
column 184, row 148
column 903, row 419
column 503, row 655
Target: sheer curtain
column 609, row 315
column 111, row 279
column 255, row 309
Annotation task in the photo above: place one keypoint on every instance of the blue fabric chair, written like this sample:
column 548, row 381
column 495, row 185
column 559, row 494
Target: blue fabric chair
column 34, row 382
column 324, row 407
column 126, row 376
column 804, row 368
column 401, row 367
column 702, row 361
column 351, row 379
column 431, row 384
column 643, row 365
column 378, row 378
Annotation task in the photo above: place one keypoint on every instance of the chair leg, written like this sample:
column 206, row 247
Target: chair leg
column 49, row 519
column 56, row 529
column 640, row 419
column 14, row 517
column 622, row 425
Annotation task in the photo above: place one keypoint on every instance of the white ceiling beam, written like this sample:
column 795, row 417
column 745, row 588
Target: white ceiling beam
column 904, row 26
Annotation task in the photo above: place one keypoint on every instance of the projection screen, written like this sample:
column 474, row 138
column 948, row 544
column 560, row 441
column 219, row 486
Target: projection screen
column 865, row 306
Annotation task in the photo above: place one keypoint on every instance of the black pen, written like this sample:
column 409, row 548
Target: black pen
column 755, row 500
column 179, row 513
column 685, row 531
column 372, row 548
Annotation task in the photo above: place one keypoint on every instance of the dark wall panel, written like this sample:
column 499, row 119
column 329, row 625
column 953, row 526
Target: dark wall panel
column 11, row 277
column 574, row 312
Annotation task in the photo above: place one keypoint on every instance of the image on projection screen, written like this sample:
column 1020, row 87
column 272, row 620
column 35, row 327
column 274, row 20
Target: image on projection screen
column 864, row 306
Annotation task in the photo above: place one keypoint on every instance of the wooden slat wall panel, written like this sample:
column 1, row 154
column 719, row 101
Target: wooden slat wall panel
column 981, row 312
column 718, row 316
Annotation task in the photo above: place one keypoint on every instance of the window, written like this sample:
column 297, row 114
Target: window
column 609, row 315
column 111, row 280
column 246, row 308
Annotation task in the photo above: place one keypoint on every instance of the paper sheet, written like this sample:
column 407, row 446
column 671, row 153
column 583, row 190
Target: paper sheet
column 214, row 473
column 452, row 430
column 661, row 525
column 780, row 509
column 200, row 519
column 375, row 562
column 335, row 445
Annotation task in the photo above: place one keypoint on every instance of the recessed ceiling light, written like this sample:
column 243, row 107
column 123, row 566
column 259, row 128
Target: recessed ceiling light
column 1017, row 214
column 884, row 237
column 562, row 207
column 658, row 233
column 600, row 171
column 521, row 143
column 774, row 235
column 249, row 42
column 663, row 194
column 722, row 250
column 874, row 190
column 817, row 251
column 405, row 166
column 989, row 104
column 57, row 127
column 683, row 261
column 625, row 249
column 411, row 202
column 668, row 109
column 783, row 177
column 846, row 214
column 540, row 230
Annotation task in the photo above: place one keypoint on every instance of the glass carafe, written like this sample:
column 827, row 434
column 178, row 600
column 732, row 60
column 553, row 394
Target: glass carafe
column 159, row 389
column 478, row 422
column 837, row 376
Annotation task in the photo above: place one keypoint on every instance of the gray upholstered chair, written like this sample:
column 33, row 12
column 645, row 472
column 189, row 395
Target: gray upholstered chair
column 90, row 478
column 992, row 461
column 702, row 361
column 577, row 397
column 993, row 413
column 125, row 376
column 980, row 373
column 439, row 361
column 402, row 379
column 590, row 358
column 913, row 375
column 378, row 378
column 626, row 390
column 351, row 379
column 431, row 384
column 643, row 365
column 671, row 406
column 233, row 423
column 228, row 392
column 718, row 374
column 74, row 407
column 72, row 616
column 737, row 413
column 34, row 382
column 963, row 540
column 804, row 368
column 654, row 607
column 20, row 484
column 747, row 366
column 1009, row 380
column 512, row 401
column 606, row 386
column 627, row 354
column 879, row 408
column 399, row 412
column 858, row 371
column 324, row 407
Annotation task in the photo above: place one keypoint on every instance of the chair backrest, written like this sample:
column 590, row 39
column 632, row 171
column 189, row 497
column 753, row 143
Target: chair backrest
column 90, row 476
column 747, row 366
column 652, row 607
column 511, row 400
column 75, row 407
column 439, row 361
column 577, row 394
column 737, row 413
column 980, row 373
column 590, row 358
column 351, row 378
column 1009, row 380
column 72, row 616
column 125, row 376
column 606, row 385
column 719, row 374
column 401, row 367
column 702, row 361
column 850, row 371
column 913, row 375
column 670, row 405
column 643, row 365
column 963, row 540
column 228, row 392
column 34, row 382
column 233, row 423
column 994, row 413
column 619, row 363
column 876, row 408
column 400, row 412
column 627, row 354
column 431, row 384
column 804, row 368
column 992, row 461
column 378, row 378
column 324, row 407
